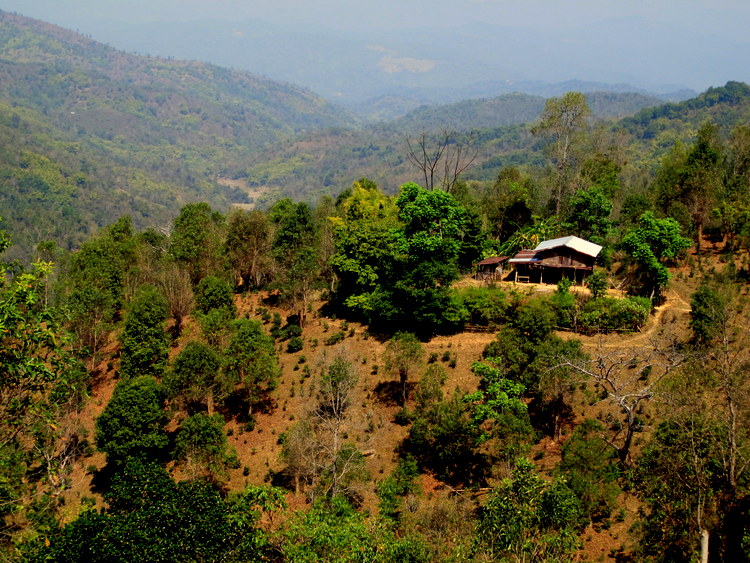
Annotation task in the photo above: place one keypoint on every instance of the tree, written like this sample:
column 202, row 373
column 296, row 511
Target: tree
column 144, row 342
column 440, row 158
column 248, row 247
column 650, row 244
column 132, row 423
column 564, row 121
column 201, row 444
column 627, row 378
column 39, row 383
column 174, row 282
column 251, row 359
column 150, row 517
column 197, row 375
column 403, row 354
column 692, row 181
column 526, row 519
column 299, row 451
column 590, row 468
column 341, row 463
column 589, row 214
column 214, row 293
column 296, row 251
column 195, row 242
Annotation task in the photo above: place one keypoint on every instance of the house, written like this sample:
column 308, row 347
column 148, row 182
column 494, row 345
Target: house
column 567, row 257
column 491, row 268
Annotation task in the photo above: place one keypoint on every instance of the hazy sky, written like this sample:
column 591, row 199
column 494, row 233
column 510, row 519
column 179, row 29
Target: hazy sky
column 728, row 17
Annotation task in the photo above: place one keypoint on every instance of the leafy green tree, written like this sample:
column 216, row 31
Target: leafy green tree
column 403, row 355
column 650, row 244
column 196, row 375
column 39, row 382
column 196, row 239
column 526, row 519
column 332, row 530
column 590, row 468
column 691, row 185
column 151, row 518
column 144, row 342
column 132, row 424
column 297, row 254
column 499, row 413
column 444, row 439
column 708, row 313
column 251, row 359
column 214, row 293
column 201, row 444
column 509, row 205
column 365, row 246
column 589, row 212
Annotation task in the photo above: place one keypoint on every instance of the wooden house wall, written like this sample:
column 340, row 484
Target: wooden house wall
column 565, row 258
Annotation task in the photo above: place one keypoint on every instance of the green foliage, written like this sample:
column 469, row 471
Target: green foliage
column 598, row 283
column 708, row 313
column 528, row 519
column 295, row 344
column 144, row 341
column 499, row 413
column 589, row 211
column 444, row 439
column 403, row 354
column 609, row 313
column 333, row 531
column 251, row 358
column 679, row 480
column 196, row 375
column 152, row 518
column 40, row 382
column 202, row 444
column 486, row 306
column 649, row 245
column 398, row 484
column 591, row 469
column 132, row 423
column 195, row 239
column 214, row 293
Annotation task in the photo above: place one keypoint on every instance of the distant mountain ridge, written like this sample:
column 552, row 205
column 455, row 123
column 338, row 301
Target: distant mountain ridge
column 89, row 133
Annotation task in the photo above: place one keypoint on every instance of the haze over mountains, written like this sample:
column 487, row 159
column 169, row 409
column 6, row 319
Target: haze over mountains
column 441, row 53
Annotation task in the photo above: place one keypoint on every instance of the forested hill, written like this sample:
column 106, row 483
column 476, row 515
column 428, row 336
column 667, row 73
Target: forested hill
column 88, row 133
column 497, row 130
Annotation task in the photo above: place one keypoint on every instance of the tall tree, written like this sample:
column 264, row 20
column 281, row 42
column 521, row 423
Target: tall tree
column 144, row 341
column 251, row 360
column 564, row 122
column 196, row 240
column 248, row 247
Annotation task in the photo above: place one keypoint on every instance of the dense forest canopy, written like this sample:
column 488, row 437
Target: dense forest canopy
column 321, row 377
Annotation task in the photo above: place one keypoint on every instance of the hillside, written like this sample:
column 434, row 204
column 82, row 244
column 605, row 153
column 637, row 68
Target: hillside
column 639, row 128
column 89, row 133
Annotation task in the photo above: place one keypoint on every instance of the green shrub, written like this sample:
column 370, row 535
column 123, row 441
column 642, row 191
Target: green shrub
column 607, row 313
column 335, row 338
column 486, row 306
column 294, row 345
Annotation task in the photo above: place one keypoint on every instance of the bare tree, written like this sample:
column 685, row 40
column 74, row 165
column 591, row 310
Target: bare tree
column 440, row 158
column 628, row 378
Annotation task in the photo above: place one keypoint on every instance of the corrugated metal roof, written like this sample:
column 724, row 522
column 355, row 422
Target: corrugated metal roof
column 492, row 260
column 524, row 257
column 582, row 246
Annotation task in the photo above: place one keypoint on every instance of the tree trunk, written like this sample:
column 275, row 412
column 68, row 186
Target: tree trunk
column 210, row 403
column 704, row 546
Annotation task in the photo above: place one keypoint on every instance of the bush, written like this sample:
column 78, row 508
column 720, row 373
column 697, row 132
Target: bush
column 335, row 338
column 295, row 344
column 607, row 313
column 486, row 306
